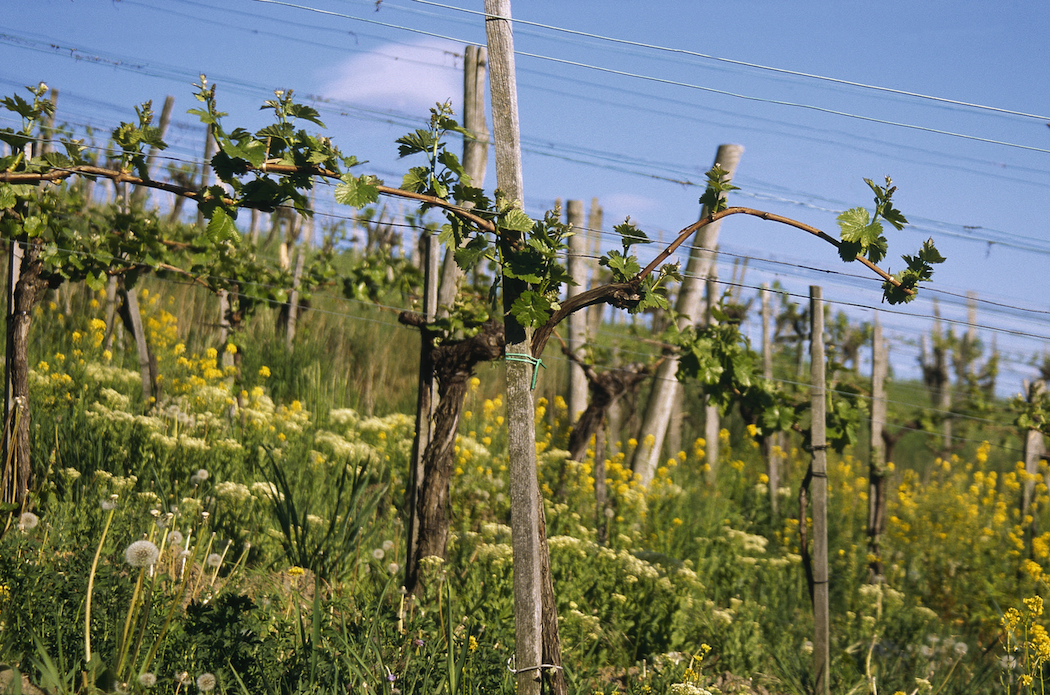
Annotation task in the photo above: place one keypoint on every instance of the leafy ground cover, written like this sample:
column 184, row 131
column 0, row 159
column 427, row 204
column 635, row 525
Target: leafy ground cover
column 246, row 533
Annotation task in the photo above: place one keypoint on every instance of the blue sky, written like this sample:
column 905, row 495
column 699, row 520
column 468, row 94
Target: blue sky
column 636, row 127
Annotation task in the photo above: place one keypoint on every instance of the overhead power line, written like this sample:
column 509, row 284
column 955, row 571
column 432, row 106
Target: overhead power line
column 674, row 83
column 742, row 63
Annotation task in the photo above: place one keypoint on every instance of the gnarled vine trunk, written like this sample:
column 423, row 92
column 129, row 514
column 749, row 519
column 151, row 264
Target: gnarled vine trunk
column 453, row 364
column 18, row 470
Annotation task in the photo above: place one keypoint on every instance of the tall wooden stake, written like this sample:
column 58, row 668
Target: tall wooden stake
column 770, row 445
column 140, row 193
column 535, row 616
column 577, row 338
column 475, row 153
column 821, row 629
column 877, row 460
column 689, row 305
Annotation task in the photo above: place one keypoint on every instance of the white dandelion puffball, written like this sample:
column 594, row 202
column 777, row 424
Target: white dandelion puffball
column 147, row 680
column 378, row 553
column 214, row 560
column 206, row 682
column 141, row 554
column 28, row 521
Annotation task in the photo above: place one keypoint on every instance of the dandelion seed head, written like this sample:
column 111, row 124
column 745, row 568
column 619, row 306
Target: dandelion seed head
column 206, row 682
column 175, row 538
column 392, row 568
column 387, row 545
column 28, row 521
column 147, row 680
column 141, row 554
column 214, row 560
column 378, row 553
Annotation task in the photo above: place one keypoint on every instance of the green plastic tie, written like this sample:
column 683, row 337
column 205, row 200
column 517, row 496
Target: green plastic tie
column 534, row 361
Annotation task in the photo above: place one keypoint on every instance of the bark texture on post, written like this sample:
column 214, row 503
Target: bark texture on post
column 521, row 439
column 772, row 446
column 475, row 155
column 690, row 305
column 577, row 338
column 877, row 462
column 821, row 628
column 138, row 196
column 1034, row 449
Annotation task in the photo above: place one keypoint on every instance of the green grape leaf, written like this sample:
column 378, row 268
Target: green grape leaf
column 514, row 220
column 624, row 267
column 357, row 191
column 531, row 308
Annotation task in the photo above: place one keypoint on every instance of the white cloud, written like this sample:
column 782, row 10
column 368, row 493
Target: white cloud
column 404, row 77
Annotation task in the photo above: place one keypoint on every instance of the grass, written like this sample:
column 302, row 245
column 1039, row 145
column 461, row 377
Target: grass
column 280, row 530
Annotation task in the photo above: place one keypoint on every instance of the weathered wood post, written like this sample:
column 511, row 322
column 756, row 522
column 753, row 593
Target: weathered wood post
column 577, row 333
column 877, row 460
column 689, row 305
column 537, row 647
column 772, row 444
column 475, row 154
column 821, row 628
column 524, row 486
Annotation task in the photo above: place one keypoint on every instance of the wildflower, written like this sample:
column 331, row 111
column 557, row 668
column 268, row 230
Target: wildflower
column 28, row 521
column 206, row 682
column 388, row 544
column 392, row 568
column 378, row 553
column 1034, row 605
column 175, row 538
column 214, row 560
column 231, row 349
column 182, row 677
column 296, row 571
column 141, row 554
column 473, row 644
column 200, row 476
column 147, row 680
column 264, row 372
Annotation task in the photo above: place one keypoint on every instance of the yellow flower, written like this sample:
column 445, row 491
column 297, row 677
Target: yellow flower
column 473, row 643
column 296, row 571
column 1034, row 605
column 264, row 372
column 231, row 349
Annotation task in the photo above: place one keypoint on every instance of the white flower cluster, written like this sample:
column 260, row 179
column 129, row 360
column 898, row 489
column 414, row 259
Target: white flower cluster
column 752, row 543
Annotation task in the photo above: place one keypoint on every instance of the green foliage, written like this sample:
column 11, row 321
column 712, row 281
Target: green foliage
column 862, row 235
column 718, row 186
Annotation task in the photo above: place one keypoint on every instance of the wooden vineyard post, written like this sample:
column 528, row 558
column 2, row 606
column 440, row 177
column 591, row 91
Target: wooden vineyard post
column 140, row 193
column 877, row 461
column 535, row 615
column 577, row 338
column 293, row 300
column 475, row 154
column 821, row 637
column 770, row 445
column 689, row 304
column 1034, row 449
